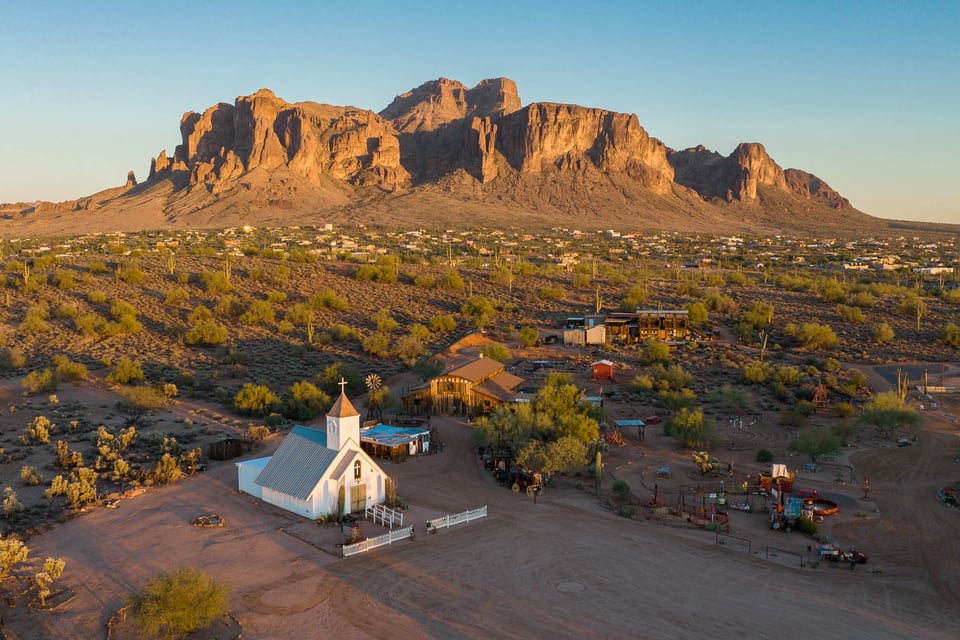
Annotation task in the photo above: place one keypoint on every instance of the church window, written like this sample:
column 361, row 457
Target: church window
column 356, row 470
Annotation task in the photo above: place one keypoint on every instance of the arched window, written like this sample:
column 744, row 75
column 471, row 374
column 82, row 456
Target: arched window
column 356, row 470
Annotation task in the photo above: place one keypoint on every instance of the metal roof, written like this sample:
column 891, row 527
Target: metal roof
column 299, row 463
column 390, row 436
column 477, row 370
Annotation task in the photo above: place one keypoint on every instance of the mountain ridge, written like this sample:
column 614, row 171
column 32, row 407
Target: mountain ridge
column 479, row 150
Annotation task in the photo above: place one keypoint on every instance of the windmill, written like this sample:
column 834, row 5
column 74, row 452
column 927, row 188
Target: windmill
column 374, row 383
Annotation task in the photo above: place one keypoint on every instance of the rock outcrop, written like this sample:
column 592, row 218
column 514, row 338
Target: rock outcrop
column 809, row 186
column 314, row 141
column 739, row 176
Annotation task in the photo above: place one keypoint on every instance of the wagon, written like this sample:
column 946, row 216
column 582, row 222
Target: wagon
column 531, row 483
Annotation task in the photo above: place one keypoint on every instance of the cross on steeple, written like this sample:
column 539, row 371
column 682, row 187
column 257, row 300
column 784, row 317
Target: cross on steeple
column 343, row 386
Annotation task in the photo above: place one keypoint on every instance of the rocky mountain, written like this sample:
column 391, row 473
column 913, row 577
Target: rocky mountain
column 440, row 152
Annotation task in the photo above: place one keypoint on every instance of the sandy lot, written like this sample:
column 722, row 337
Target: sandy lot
column 562, row 568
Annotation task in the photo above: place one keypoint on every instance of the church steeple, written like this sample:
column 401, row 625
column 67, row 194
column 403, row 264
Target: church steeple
column 343, row 421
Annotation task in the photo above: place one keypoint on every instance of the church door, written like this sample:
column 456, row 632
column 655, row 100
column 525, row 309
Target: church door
column 358, row 498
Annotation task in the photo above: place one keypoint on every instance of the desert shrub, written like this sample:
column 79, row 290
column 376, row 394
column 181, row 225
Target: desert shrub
column 552, row 293
column 763, row 455
column 697, row 313
column 425, row 281
column 633, row 298
column 178, row 603
column 132, row 274
column 863, row 299
column 96, row 297
column 495, row 351
column 215, row 282
column 41, row 381
column 37, row 431
column 206, row 333
column 451, row 280
column 69, row 370
column 622, row 489
column 126, row 371
column 305, row 401
column 13, row 358
column 327, row 299
column 720, row 303
column 528, row 336
column 842, row 409
column 65, row 311
column 442, row 323
column 883, row 333
column 229, row 306
column 259, row 312
column 655, row 351
column 385, row 322
column 627, row 511
column 950, row 335
column 63, row 280
column 640, row 383
column 377, row 344
column 30, row 476
column 850, row 314
column 807, row 526
column 176, row 297
column 256, row 399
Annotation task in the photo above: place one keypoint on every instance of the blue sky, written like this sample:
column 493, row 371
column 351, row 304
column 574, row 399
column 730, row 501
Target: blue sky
column 866, row 95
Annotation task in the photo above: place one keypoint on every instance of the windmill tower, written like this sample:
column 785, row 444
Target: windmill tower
column 374, row 383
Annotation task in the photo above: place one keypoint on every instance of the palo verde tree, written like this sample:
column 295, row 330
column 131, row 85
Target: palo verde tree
column 814, row 443
column 887, row 411
column 178, row 603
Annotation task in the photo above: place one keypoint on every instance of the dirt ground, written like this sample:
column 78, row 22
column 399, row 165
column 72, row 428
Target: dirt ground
column 563, row 567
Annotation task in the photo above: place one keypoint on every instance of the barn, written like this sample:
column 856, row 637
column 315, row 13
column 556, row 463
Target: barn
column 471, row 389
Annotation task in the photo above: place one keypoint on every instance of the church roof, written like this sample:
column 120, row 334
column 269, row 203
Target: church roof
column 477, row 370
column 342, row 408
column 299, row 463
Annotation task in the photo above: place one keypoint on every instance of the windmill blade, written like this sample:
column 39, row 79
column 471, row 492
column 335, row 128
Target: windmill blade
column 373, row 382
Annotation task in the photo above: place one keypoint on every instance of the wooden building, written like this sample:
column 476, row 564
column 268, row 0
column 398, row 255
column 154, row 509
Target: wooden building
column 669, row 325
column 469, row 390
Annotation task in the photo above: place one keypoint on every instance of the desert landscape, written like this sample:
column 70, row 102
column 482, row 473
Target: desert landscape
column 564, row 565
column 680, row 392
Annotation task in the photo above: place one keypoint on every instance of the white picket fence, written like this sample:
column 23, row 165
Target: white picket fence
column 385, row 515
column 379, row 541
column 459, row 518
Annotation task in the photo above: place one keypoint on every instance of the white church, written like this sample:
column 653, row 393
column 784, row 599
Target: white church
column 306, row 472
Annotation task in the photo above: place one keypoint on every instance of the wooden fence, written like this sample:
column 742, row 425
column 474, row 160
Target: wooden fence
column 385, row 515
column 379, row 541
column 459, row 518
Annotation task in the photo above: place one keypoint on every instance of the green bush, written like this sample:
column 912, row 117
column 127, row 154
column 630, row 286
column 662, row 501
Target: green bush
column 627, row 511
column 178, row 603
column 807, row 526
column 622, row 489
column 764, row 456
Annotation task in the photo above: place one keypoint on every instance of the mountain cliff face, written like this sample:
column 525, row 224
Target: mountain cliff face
column 736, row 177
column 314, row 141
column 477, row 146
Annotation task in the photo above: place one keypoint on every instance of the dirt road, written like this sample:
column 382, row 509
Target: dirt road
column 561, row 568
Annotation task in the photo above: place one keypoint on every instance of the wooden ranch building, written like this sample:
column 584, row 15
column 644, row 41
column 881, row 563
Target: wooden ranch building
column 471, row 389
column 648, row 324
